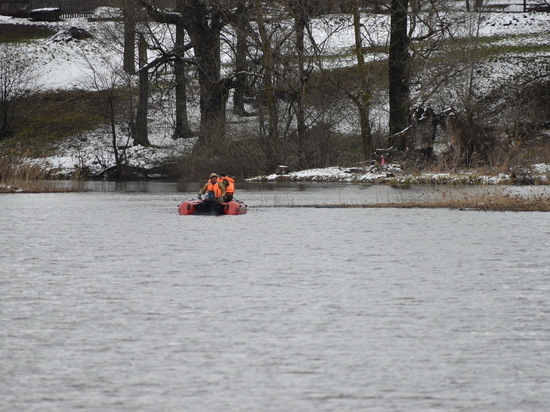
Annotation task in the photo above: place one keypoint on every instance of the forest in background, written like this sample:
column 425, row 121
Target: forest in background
column 251, row 85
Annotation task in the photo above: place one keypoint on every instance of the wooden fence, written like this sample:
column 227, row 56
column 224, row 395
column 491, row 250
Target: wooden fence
column 70, row 8
column 518, row 6
column 80, row 8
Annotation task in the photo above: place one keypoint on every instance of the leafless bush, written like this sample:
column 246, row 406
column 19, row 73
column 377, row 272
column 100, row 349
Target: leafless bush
column 235, row 155
column 470, row 138
column 521, row 109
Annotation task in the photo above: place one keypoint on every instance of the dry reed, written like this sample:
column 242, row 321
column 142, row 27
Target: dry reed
column 492, row 202
column 496, row 201
column 19, row 175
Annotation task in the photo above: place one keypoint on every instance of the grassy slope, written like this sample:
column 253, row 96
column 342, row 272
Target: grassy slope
column 42, row 120
column 45, row 119
column 13, row 33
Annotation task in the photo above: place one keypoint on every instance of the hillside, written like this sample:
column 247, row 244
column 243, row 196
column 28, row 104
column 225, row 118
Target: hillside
column 66, row 118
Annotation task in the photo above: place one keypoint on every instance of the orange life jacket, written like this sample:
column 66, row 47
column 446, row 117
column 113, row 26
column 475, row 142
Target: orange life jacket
column 230, row 188
column 214, row 188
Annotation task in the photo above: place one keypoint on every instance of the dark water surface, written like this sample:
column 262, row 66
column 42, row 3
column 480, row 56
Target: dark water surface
column 111, row 301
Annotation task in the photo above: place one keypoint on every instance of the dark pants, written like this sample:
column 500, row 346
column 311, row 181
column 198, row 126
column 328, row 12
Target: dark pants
column 228, row 197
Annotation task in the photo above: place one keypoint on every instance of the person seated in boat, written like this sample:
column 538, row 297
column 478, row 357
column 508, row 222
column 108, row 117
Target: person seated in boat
column 229, row 184
column 214, row 187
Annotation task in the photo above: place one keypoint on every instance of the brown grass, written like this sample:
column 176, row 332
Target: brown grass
column 24, row 32
column 497, row 201
column 45, row 119
column 492, row 202
column 19, row 175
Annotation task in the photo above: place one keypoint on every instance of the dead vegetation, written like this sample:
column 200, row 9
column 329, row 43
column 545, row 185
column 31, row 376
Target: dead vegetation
column 20, row 174
column 497, row 201
column 492, row 202
column 23, row 32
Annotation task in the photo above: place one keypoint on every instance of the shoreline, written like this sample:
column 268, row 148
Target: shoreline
column 393, row 175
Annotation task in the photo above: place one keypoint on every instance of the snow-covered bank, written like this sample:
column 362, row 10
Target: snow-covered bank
column 393, row 174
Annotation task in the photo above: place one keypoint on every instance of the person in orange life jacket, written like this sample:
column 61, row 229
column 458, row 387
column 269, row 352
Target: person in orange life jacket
column 229, row 184
column 215, row 187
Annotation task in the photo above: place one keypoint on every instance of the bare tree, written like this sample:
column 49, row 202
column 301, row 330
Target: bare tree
column 241, row 25
column 302, row 12
column 203, row 22
column 362, row 101
column 182, row 130
column 470, row 136
column 399, row 70
column 140, row 133
column 112, row 82
column 270, row 140
column 360, row 92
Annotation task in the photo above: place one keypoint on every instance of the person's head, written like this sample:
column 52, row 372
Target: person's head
column 213, row 177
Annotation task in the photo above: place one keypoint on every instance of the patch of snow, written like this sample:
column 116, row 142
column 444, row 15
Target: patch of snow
column 46, row 9
column 392, row 173
column 541, row 168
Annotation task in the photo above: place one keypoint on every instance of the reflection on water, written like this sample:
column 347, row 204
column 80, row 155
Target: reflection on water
column 113, row 186
column 292, row 193
column 112, row 301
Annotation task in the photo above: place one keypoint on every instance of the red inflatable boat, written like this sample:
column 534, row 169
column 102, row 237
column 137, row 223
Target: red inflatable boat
column 201, row 207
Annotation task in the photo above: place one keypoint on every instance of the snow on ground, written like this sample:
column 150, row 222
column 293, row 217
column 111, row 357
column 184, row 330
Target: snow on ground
column 67, row 64
column 392, row 173
column 72, row 64
column 513, row 24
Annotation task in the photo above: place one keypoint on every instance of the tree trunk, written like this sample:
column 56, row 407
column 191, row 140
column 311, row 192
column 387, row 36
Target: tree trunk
column 204, row 30
column 5, row 125
column 141, row 133
column 241, row 64
column 129, row 14
column 399, row 72
column 114, row 140
column 182, row 123
column 300, row 23
column 364, row 102
column 269, row 95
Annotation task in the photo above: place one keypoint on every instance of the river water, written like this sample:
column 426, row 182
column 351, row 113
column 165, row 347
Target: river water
column 111, row 301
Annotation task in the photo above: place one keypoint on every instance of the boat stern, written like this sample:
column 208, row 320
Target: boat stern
column 234, row 207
